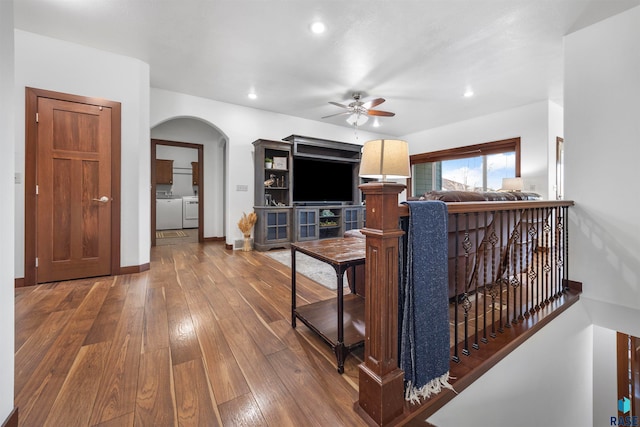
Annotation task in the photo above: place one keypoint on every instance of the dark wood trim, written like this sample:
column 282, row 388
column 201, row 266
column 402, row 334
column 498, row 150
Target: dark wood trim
column 228, row 247
column 12, row 419
column 200, row 147
column 19, row 282
column 31, row 137
column 485, row 148
column 470, row 207
column 573, row 285
column 622, row 366
column 116, row 184
column 628, row 371
column 30, row 174
column 132, row 269
column 214, row 239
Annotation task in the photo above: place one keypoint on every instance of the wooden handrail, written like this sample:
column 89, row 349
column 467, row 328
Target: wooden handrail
column 467, row 207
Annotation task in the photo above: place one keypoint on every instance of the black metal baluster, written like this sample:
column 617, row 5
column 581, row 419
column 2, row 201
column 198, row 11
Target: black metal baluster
column 466, row 303
column 456, row 358
column 516, row 279
column 537, row 258
column 546, row 255
column 476, row 344
column 484, row 282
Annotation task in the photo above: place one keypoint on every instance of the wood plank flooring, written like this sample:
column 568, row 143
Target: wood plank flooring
column 201, row 339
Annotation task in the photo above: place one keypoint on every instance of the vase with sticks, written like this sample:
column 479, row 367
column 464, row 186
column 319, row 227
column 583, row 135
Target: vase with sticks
column 245, row 225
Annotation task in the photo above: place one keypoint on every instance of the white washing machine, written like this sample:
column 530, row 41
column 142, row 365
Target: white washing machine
column 190, row 212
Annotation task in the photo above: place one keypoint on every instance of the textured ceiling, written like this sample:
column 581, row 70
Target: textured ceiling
column 419, row 55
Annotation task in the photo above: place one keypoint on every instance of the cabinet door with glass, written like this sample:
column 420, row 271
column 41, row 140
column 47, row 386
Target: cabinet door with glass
column 276, row 225
column 353, row 218
column 306, row 224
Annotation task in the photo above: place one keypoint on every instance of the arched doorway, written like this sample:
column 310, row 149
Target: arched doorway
column 190, row 132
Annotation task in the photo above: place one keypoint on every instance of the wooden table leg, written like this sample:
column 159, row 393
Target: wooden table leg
column 340, row 350
column 293, row 287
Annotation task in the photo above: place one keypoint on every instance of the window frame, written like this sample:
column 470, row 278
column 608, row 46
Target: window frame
column 475, row 150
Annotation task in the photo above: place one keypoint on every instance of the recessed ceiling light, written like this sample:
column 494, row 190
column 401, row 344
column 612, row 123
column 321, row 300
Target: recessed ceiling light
column 318, row 27
column 252, row 95
column 468, row 93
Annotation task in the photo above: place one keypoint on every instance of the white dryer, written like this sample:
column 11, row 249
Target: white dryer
column 190, row 212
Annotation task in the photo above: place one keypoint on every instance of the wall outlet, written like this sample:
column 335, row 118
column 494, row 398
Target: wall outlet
column 242, row 187
column 18, row 178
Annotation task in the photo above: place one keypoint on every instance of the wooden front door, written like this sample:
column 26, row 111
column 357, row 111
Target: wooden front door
column 73, row 190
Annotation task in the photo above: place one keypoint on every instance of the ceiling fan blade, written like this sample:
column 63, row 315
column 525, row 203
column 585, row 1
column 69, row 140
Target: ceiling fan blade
column 380, row 113
column 343, row 113
column 373, row 103
column 338, row 104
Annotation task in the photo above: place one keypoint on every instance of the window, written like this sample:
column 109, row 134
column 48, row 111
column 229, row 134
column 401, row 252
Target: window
column 479, row 167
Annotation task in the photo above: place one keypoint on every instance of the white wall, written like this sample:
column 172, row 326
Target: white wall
column 532, row 123
column 212, row 171
column 242, row 126
column 46, row 63
column 602, row 148
column 7, row 167
column 544, row 382
column 605, row 387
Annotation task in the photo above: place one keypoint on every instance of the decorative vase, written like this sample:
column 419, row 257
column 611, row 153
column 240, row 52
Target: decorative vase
column 247, row 243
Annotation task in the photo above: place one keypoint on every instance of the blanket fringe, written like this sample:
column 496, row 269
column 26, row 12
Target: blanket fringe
column 414, row 394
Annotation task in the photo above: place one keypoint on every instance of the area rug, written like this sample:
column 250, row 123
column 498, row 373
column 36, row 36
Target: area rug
column 315, row 270
column 171, row 233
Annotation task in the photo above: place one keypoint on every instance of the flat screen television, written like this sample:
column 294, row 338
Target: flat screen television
column 322, row 181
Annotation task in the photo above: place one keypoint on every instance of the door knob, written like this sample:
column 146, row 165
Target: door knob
column 103, row 199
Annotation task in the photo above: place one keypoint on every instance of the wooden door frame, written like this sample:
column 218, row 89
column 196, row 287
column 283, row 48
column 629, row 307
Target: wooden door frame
column 200, row 147
column 31, row 171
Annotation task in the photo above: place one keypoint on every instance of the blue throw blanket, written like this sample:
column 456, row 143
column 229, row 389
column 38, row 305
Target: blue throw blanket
column 423, row 301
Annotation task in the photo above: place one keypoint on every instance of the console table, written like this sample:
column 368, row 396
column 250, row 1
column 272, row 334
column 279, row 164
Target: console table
column 339, row 322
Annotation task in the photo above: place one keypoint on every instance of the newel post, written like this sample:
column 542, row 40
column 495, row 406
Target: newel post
column 381, row 390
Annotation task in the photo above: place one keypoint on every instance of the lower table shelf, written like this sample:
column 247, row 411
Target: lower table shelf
column 321, row 318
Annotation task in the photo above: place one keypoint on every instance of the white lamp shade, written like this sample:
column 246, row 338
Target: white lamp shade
column 385, row 158
column 511, row 184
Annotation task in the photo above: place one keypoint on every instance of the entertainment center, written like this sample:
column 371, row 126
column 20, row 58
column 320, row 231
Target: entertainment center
column 307, row 191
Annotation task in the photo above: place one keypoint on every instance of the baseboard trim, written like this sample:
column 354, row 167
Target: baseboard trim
column 213, row 239
column 12, row 419
column 573, row 285
column 132, row 269
column 228, row 247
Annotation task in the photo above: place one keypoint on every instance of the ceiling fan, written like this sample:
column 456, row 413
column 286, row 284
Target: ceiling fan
column 358, row 111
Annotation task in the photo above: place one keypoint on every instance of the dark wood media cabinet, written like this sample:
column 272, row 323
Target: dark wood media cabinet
column 281, row 220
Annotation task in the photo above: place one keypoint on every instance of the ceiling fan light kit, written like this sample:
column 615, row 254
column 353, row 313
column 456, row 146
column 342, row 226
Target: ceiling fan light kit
column 357, row 119
column 358, row 112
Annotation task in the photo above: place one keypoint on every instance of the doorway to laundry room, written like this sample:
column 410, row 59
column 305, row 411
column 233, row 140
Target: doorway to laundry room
column 176, row 207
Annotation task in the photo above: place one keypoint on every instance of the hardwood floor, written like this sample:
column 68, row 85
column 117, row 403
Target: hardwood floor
column 201, row 339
